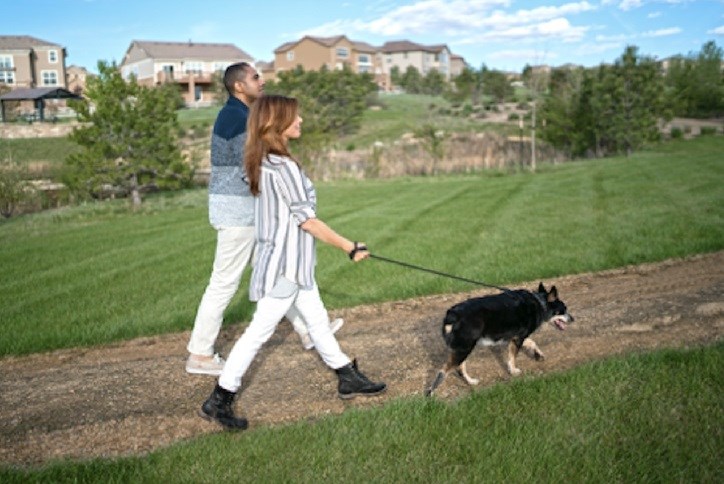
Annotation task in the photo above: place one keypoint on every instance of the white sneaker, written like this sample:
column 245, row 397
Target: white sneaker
column 333, row 325
column 306, row 341
column 205, row 367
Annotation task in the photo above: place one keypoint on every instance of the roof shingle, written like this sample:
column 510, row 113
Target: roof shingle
column 190, row 50
column 9, row 42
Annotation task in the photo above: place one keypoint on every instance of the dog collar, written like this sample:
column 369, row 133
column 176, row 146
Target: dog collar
column 541, row 301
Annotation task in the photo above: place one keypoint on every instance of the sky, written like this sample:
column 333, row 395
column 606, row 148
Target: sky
column 501, row 34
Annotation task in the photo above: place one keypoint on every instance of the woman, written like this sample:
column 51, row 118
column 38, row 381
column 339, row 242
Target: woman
column 286, row 227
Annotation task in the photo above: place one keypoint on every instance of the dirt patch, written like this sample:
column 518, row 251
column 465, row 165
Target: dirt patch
column 133, row 397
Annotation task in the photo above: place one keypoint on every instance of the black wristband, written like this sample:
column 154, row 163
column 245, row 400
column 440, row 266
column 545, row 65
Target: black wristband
column 356, row 249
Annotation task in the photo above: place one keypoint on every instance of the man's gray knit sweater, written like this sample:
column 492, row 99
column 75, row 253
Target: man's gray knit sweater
column 231, row 204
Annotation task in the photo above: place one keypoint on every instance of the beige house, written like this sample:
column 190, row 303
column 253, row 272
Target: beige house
column 191, row 65
column 457, row 65
column 312, row 53
column 403, row 54
column 30, row 62
column 266, row 69
column 76, row 78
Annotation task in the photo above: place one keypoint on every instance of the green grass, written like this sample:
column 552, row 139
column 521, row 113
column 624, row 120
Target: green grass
column 641, row 418
column 82, row 276
column 197, row 116
column 50, row 151
column 405, row 113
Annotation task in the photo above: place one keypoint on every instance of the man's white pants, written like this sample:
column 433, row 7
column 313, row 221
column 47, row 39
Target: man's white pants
column 234, row 246
column 269, row 311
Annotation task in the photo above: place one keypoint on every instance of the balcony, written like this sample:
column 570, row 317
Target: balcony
column 184, row 78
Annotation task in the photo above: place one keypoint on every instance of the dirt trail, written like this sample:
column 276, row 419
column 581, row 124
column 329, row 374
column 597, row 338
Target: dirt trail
column 134, row 397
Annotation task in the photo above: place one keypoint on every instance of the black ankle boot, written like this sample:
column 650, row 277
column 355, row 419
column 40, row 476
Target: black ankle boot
column 352, row 383
column 218, row 407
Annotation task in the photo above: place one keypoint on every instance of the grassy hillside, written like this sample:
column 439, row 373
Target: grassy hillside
column 98, row 273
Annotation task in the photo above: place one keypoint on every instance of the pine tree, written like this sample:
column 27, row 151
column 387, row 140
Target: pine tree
column 129, row 143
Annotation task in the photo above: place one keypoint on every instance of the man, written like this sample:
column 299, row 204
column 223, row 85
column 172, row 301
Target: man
column 231, row 213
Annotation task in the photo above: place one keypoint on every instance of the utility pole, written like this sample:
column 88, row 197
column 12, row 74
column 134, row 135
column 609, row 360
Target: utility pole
column 520, row 140
column 532, row 142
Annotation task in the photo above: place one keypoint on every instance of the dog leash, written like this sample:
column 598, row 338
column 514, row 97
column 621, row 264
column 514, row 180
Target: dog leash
column 432, row 271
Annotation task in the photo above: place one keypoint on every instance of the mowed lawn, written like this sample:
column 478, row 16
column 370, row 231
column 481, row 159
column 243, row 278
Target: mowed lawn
column 98, row 273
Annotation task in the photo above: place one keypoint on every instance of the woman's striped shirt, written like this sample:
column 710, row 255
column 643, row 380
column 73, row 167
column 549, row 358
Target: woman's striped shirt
column 287, row 199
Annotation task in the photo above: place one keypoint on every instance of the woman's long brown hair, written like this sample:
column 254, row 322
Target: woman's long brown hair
column 269, row 117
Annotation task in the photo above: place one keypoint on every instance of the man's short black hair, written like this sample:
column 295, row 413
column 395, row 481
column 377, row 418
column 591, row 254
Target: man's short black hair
column 234, row 73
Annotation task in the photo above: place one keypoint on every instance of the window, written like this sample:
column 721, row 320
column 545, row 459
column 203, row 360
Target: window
column 197, row 93
column 342, row 52
column 193, row 67
column 52, row 56
column 364, row 63
column 220, row 66
column 7, row 74
column 167, row 70
column 290, row 55
column 7, row 77
column 50, row 78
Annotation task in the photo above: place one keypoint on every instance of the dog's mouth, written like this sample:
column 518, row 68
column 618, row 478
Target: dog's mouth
column 559, row 322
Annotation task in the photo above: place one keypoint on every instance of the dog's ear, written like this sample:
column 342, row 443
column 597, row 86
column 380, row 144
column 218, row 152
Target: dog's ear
column 553, row 294
column 541, row 288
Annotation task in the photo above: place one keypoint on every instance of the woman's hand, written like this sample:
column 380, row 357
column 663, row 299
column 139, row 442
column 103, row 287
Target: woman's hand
column 359, row 252
column 321, row 231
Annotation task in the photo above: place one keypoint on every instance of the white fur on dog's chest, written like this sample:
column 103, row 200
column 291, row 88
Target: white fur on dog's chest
column 489, row 342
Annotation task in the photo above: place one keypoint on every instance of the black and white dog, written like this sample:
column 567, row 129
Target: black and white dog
column 511, row 317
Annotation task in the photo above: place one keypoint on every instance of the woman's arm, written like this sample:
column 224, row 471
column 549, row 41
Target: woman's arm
column 321, row 231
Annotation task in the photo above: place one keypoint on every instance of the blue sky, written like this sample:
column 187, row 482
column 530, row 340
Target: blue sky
column 502, row 34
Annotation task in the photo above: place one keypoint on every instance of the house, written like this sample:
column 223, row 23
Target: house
column 29, row 62
column 191, row 65
column 312, row 53
column 404, row 53
column 457, row 65
column 75, row 78
column 266, row 69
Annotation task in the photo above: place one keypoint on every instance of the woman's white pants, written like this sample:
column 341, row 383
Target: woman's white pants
column 269, row 311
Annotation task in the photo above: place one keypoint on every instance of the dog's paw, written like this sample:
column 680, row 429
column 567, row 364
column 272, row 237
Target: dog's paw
column 514, row 371
column 538, row 355
column 472, row 381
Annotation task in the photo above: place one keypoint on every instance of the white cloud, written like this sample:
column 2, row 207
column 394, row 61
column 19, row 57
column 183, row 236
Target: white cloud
column 654, row 15
column 716, row 31
column 466, row 21
column 662, row 32
column 629, row 4
column 613, row 38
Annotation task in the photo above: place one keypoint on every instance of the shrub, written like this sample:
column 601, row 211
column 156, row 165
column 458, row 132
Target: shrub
column 708, row 130
column 677, row 133
column 513, row 117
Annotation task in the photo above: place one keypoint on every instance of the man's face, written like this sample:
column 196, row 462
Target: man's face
column 252, row 85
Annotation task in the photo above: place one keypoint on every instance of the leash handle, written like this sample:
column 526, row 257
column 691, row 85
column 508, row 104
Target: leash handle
column 432, row 271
